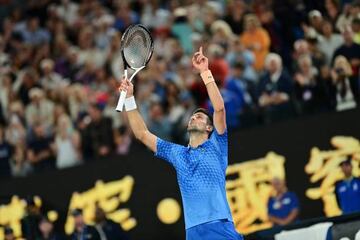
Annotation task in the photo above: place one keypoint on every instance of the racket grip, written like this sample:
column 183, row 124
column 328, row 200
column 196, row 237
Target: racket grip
column 121, row 101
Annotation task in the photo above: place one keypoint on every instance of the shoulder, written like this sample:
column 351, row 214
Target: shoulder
column 338, row 184
column 292, row 195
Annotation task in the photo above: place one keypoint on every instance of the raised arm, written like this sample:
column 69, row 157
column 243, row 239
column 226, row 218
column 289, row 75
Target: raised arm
column 136, row 122
column 201, row 63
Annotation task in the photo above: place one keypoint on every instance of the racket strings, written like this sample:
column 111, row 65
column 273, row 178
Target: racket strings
column 137, row 47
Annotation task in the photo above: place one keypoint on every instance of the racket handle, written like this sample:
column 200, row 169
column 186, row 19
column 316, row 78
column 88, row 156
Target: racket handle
column 121, row 101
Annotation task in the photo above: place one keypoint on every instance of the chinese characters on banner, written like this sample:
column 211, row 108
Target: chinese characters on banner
column 248, row 190
column 109, row 196
column 11, row 215
column 324, row 166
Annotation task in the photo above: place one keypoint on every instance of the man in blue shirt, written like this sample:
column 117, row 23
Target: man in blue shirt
column 348, row 190
column 283, row 208
column 200, row 167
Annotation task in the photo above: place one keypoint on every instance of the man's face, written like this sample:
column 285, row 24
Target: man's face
column 347, row 169
column 198, row 123
column 278, row 185
column 79, row 221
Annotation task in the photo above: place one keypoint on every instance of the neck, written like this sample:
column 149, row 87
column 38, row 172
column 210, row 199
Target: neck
column 281, row 192
column 347, row 177
column 197, row 138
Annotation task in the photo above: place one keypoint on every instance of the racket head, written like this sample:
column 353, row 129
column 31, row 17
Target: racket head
column 137, row 46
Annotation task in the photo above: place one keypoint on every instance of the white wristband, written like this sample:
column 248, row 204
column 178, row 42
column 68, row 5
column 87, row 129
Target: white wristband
column 130, row 104
column 207, row 77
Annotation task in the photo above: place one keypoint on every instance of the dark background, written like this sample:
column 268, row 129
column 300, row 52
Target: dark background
column 156, row 180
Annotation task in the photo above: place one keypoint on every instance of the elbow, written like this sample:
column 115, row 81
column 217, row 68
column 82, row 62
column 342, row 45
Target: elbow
column 140, row 135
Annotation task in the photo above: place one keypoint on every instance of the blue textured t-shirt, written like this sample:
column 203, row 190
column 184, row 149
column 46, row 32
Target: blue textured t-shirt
column 201, row 177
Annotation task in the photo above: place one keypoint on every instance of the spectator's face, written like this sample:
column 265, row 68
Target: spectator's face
column 94, row 113
column 347, row 169
column 39, row 130
column 9, row 236
column 327, row 28
column 33, row 24
column 79, row 221
column 1, row 134
column 348, row 35
column 355, row 27
column 278, row 185
column 156, row 111
column 316, row 21
column 45, row 227
column 273, row 66
column 238, row 72
column 99, row 215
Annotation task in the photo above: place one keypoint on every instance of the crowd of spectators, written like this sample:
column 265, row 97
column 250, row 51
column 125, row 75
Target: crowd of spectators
column 60, row 67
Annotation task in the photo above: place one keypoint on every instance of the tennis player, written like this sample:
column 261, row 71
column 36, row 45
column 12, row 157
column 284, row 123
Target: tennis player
column 200, row 166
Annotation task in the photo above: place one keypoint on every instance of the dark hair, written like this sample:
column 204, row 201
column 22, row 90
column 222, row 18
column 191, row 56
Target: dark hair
column 206, row 112
column 346, row 161
column 76, row 212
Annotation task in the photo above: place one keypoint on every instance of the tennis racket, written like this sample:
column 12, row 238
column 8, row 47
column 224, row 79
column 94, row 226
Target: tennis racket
column 137, row 47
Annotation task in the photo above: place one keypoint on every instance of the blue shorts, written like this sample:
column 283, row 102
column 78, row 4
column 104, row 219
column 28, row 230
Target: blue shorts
column 215, row 230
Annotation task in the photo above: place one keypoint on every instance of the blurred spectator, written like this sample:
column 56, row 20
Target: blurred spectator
column 315, row 23
column 68, row 11
column 47, row 232
column 77, row 101
column 182, row 29
column 179, row 132
column 6, row 152
column 125, row 16
column 30, row 222
column 32, row 33
column 256, row 39
column 310, row 91
column 6, row 94
column 25, row 81
column 245, row 93
column 235, row 15
column 81, row 229
column 108, row 229
column 283, row 207
column 20, row 167
column 122, row 138
column 221, row 33
column 51, row 80
column 158, row 122
column 329, row 41
column 217, row 63
column 9, row 234
column 67, row 144
column 350, row 50
column 15, row 131
column 348, row 189
column 275, row 91
column 39, row 152
column 39, row 109
column 355, row 25
column 99, row 133
column 346, row 88
column 238, row 53
column 154, row 16
column 350, row 12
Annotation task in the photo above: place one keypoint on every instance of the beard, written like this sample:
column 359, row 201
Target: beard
column 195, row 129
